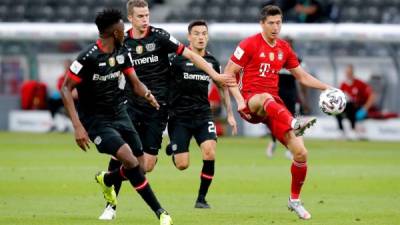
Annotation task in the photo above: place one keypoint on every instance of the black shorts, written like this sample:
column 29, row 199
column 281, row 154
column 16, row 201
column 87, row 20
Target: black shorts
column 110, row 133
column 181, row 131
column 150, row 124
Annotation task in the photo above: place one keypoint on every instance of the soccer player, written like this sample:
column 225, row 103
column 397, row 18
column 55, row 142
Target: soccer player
column 150, row 47
column 360, row 97
column 189, row 110
column 98, row 74
column 259, row 58
column 288, row 91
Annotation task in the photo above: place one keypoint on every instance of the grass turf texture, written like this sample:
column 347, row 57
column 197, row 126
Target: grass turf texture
column 46, row 179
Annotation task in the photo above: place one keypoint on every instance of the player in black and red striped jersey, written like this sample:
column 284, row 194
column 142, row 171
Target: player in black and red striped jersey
column 150, row 47
column 98, row 74
column 190, row 112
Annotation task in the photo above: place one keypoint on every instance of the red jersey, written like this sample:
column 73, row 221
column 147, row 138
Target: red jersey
column 358, row 92
column 261, row 63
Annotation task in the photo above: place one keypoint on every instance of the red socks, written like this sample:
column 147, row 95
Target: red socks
column 277, row 111
column 299, row 172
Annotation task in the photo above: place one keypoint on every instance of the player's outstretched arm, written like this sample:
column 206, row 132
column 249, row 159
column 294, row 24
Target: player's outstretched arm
column 233, row 69
column 199, row 62
column 307, row 79
column 81, row 136
column 362, row 113
column 229, row 113
column 140, row 89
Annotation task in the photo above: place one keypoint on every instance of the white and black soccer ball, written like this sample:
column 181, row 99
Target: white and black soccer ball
column 332, row 101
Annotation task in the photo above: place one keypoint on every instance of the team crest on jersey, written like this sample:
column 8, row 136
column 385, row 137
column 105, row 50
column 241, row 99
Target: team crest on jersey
column 150, row 47
column 120, row 59
column 280, row 55
column 271, row 56
column 139, row 49
column 97, row 140
column 111, row 61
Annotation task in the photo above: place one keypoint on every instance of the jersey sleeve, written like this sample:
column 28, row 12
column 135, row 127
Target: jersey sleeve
column 79, row 69
column 169, row 42
column 243, row 52
column 291, row 61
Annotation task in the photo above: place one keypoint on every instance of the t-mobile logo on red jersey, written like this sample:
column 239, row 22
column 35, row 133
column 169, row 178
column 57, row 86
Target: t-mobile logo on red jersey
column 264, row 68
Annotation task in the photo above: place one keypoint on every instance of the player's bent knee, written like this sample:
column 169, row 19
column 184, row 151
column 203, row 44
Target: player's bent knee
column 301, row 155
column 181, row 165
column 209, row 155
column 181, row 160
column 149, row 166
column 125, row 155
column 208, row 149
column 130, row 163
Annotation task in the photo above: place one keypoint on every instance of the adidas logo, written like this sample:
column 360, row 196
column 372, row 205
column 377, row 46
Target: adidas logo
column 262, row 55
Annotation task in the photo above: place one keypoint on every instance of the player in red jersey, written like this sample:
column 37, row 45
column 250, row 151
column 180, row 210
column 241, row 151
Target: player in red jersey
column 257, row 60
column 360, row 98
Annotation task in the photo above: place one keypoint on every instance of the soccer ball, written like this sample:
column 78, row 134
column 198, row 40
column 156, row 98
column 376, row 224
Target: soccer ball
column 332, row 101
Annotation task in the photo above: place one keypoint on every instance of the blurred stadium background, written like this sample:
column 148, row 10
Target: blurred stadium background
column 44, row 180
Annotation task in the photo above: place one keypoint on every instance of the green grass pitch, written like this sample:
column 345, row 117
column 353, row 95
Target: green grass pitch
column 45, row 179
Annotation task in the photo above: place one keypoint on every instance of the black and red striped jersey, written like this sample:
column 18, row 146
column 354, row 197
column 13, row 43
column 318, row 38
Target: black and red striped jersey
column 100, row 78
column 189, row 88
column 151, row 62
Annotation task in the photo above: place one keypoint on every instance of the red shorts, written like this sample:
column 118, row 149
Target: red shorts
column 278, row 129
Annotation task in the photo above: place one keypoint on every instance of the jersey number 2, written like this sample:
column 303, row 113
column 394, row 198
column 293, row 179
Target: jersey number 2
column 211, row 127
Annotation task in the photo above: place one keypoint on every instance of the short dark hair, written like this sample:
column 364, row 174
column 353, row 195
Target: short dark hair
column 197, row 23
column 270, row 10
column 106, row 18
column 135, row 3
